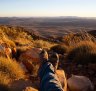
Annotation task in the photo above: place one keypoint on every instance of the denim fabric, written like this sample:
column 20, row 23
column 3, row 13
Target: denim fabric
column 48, row 79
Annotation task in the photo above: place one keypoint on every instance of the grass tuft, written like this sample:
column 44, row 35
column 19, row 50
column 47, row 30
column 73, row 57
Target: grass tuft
column 11, row 68
column 83, row 53
column 60, row 49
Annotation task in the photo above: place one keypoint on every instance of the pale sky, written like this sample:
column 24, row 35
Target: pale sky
column 28, row 8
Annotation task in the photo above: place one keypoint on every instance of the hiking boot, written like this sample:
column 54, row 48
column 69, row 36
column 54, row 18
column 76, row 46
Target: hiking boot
column 43, row 56
column 54, row 59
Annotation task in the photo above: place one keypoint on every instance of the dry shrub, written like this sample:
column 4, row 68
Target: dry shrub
column 83, row 53
column 6, row 40
column 74, row 38
column 9, row 42
column 4, row 79
column 42, row 44
column 11, row 35
column 22, row 41
column 60, row 49
column 13, row 32
column 4, row 82
column 11, row 68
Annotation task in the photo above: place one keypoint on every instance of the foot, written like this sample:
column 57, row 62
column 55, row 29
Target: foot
column 43, row 56
column 54, row 59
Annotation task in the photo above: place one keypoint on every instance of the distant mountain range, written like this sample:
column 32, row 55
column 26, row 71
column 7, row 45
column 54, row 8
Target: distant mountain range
column 47, row 26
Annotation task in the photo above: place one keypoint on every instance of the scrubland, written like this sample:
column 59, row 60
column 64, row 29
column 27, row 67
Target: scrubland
column 74, row 49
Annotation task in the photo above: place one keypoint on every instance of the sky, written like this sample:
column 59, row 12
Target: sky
column 45, row 8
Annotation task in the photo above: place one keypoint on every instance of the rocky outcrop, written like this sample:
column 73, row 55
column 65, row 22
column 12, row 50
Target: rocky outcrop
column 30, row 89
column 30, row 59
column 62, row 77
column 80, row 83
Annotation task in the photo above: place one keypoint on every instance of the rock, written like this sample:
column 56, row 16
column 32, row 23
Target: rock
column 80, row 83
column 62, row 78
column 8, row 51
column 30, row 58
column 23, row 85
column 30, row 89
column 92, row 66
column 23, row 67
column 31, row 54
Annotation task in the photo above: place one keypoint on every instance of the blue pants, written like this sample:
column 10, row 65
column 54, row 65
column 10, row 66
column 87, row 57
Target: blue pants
column 48, row 79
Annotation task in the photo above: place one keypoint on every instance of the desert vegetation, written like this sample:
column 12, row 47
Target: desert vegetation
column 60, row 49
column 74, row 49
column 43, row 44
column 10, row 69
column 84, row 52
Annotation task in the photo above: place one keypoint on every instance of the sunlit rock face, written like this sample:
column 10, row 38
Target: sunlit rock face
column 31, row 60
column 62, row 79
column 80, row 83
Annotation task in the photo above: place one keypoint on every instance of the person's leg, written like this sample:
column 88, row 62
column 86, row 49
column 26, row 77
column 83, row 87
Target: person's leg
column 48, row 79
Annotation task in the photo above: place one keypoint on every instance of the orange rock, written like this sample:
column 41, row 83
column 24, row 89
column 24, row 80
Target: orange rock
column 80, row 83
column 22, row 85
column 31, row 54
column 30, row 57
column 62, row 78
column 8, row 51
column 30, row 89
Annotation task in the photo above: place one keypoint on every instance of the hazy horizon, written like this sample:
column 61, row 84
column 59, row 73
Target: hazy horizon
column 47, row 8
column 46, row 17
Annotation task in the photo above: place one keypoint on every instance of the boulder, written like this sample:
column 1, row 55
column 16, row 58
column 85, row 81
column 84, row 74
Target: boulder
column 5, row 51
column 8, row 51
column 1, row 50
column 31, row 54
column 30, row 89
column 62, row 78
column 23, row 85
column 30, row 59
column 80, row 83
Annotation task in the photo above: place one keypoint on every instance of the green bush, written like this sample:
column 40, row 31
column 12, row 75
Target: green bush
column 83, row 53
column 60, row 49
